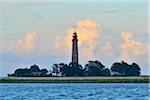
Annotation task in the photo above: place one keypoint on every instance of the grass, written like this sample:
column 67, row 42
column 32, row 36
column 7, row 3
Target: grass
column 138, row 79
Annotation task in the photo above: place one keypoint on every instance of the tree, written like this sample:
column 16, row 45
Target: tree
column 70, row 70
column 96, row 68
column 32, row 71
column 65, row 69
column 34, row 68
column 56, row 69
column 136, row 69
column 106, row 72
column 75, row 69
column 124, row 69
column 22, row 72
column 44, row 72
column 117, row 69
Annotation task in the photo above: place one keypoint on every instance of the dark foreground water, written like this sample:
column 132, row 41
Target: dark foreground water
column 80, row 91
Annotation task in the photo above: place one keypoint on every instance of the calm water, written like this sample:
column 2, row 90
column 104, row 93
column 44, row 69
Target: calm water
column 37, row 91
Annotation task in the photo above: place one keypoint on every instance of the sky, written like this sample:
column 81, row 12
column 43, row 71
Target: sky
column 40, row 33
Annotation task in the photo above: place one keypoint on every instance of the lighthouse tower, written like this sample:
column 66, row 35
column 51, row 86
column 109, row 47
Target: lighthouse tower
column 75, row 50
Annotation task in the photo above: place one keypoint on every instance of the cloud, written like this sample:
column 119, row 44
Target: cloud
column 130, row 47
column 107, row 49
column 87, row 30
column 92, row 46
column 24, row 45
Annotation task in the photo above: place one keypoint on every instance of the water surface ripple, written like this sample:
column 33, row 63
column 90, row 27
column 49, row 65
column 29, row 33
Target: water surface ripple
column 75, row 91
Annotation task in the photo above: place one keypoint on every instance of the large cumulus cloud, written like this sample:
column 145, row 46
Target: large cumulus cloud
column 24, row 45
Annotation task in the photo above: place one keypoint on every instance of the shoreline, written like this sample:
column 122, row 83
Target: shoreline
column 92, row 79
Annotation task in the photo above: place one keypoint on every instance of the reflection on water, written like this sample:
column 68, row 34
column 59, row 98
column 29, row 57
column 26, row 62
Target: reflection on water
column 84, row 91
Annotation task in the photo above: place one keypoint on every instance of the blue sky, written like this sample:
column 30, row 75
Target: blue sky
column 39, row 33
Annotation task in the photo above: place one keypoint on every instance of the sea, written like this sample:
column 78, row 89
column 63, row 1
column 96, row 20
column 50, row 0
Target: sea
column 74, row 91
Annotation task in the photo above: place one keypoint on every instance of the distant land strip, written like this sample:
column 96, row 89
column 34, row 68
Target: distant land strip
column 134, row 79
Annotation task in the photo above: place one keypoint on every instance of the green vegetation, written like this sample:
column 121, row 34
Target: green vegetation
column 124, row 69
column 96, row 68
column 92, row 68
column 33, row 71
column 139, row 79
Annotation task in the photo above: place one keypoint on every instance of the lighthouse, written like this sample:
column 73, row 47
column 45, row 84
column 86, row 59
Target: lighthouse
column 75, row 61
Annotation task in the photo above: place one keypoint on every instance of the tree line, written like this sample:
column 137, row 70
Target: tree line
column 92, row 68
